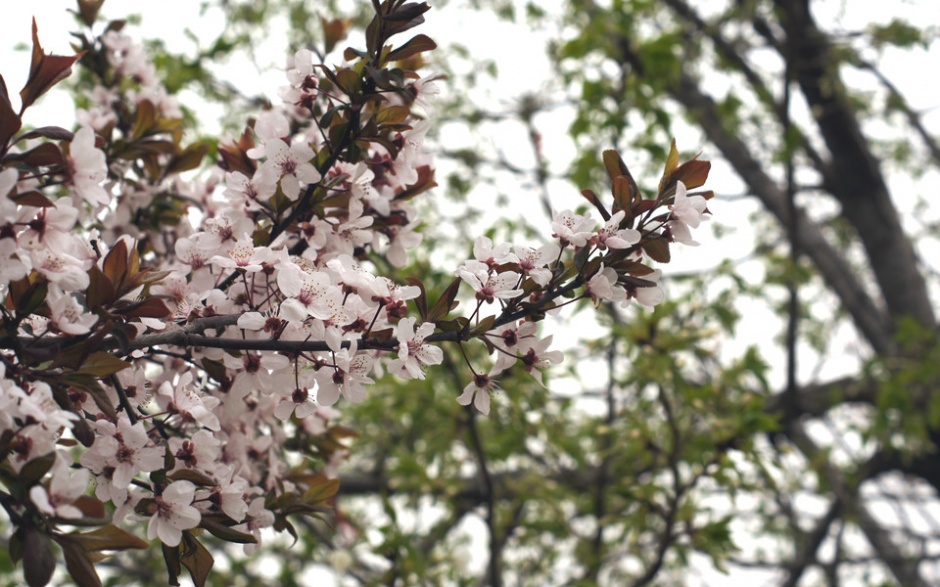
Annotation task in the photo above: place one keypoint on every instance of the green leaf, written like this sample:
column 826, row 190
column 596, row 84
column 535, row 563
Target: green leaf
column 672, row 161
column 102, row 364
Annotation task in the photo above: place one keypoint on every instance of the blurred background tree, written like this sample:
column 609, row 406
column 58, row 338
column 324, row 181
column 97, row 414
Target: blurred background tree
column 776, row 420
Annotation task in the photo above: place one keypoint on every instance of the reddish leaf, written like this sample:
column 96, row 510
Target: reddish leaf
column 10, row 121
column 445, row 303
column 33, row 198
column 424, row 183
column 692, row 173
column 625, row 192
column 88, row 11
column 226, row 533
column 100, row 290
column 38, row 558
column 33, row 471
column 334, row 31
column 144, row 121
column 115, row 264
column 235, row 157
column 591, row 197
column 149, row 308
column 79, row 563
column 41, row 156
column 643, row 206
column 191, row 475
column 45, row 71
column 190, row 158
column 90, row 506
column 171, row 557
column 614, row 164
column 421, row 302
column 108, row 537
column 50, row 132
column 418, row 44
column 658, row 250
column 196, row 558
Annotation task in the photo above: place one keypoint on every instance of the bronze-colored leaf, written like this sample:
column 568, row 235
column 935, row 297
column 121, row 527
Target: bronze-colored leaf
column 78, row 563
column 190, row 475
column 88, row 11
column 171, row 557
column 190, row 158
column 148, row 308
column 33, row 471
column 658, row 250
column 692, row 173
column 115, row 264
column 43, row 155
column 417, row 44
column 591, row 197
column 145, row 120
column 32, row 198
column 420, row 302
column 614, row 164
column 196, row 558
column 38, row 558
column 334, row 31
column 100, row 290
column 444, row 304
column 50, row 132
column 108, row 537
column 102, row 364
column 321, row 491
column 226, row 533
column 90, row 506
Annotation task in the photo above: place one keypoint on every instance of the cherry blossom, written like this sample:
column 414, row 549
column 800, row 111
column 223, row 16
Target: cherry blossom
column 64, row 488
column 414, row 354
column 174, row 513
column 478, row 391
column 571, row 228
column 88, row 167
column 292, row 165
column 687, row 212
column 614, row 237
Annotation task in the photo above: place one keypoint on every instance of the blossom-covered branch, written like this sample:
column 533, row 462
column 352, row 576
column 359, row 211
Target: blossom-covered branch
column 132, row 272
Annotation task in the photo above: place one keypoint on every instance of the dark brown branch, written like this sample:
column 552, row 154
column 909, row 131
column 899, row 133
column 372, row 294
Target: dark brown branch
column 860, row 187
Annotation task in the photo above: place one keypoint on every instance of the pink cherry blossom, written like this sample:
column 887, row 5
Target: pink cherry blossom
column 478, row 391
column 174, row 514
column 413, row 353
column 88, row 167
column 292, row 165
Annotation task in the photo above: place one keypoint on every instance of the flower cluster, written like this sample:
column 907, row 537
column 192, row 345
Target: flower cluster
column 185, row 364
